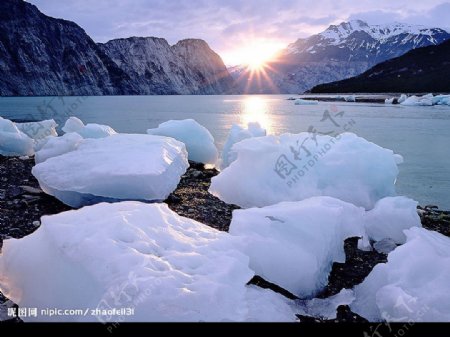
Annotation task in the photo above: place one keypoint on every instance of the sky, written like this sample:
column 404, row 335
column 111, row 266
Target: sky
column 234, row 27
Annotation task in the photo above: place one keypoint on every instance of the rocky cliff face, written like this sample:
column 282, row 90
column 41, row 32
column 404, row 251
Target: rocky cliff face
column 189, row 67
column 343, row 51
column 40, row 55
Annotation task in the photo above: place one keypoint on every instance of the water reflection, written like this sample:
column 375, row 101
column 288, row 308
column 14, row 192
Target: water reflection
column 256, row 109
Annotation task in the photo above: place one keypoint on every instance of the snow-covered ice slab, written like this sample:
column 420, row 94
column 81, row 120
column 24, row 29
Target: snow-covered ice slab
column 119, row 167
column 237, row 134
column 390, row 217
column 91, row 130
column 56, row 146
column 14, row 142
column 293, row 167
column 198, row 140
column 294, row 244
column 134, row 255
column 413, row 285
column 300, row 101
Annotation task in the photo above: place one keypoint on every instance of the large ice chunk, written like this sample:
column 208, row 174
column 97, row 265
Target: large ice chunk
column 426, row 100
column 56, row 146
column 198, row 140
column 91, row 130
column 294, row 244
column 390, row 216
column 236, row 134
column 300, row 101
column 14, row 142
column 294, row 167
column 119, row 167
column 133, row 255
column 39, row 130
column 413, row 285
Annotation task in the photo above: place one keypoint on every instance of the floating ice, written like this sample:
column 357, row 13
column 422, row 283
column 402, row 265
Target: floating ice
column 236, row 134
column 14, row 142
column 389, row 100
column 278, row 168
column 300, row 101
column 198, row 140
column 413, row 285
column 56, row 146
column 91, row 130
column 390, row 217
column 441, row 100
column 402, row 98
column 350, row 98
column 294, row 244
column 134, row 255
column 119, row 167
column 426, row 100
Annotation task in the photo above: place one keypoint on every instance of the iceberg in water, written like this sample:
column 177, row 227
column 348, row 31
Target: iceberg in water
column 426, row 100
column 413, row 286
column 294, row 244
column 134, row 255
column 198, row 140
column 236, row 134
column 14, row 142
column 402, row 98
column 56, row 146
column 119, row 167
column 91, row 130
column 293, row 167
column 300, row 101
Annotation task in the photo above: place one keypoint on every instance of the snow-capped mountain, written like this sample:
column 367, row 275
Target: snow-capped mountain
column 41, row 55
column 343, row 51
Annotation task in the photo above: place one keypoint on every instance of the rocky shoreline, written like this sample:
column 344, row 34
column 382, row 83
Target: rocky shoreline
column 22, row 204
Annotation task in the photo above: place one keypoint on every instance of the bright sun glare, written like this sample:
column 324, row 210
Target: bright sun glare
column 255, row 109
column 256, row 54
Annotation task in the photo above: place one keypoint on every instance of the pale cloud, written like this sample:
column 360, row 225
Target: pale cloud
column 227, row 24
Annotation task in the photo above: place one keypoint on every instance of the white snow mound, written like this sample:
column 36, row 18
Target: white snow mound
column 198, row 140
column 119, row 167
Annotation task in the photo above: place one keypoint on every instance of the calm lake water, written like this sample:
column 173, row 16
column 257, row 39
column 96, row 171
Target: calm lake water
column 420, row 134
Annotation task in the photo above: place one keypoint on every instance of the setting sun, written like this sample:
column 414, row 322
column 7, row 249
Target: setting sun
column 254, row 54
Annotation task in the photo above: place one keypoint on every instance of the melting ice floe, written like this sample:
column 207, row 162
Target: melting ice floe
column 198, row 140
column 237, row 134
column 135, row 255
column 91, row 130
column 413, row 285
column 14, row 142
column 272, row 169
column 119, row 167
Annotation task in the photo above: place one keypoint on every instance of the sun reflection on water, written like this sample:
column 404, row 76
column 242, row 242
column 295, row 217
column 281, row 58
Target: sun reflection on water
column 256, row 109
